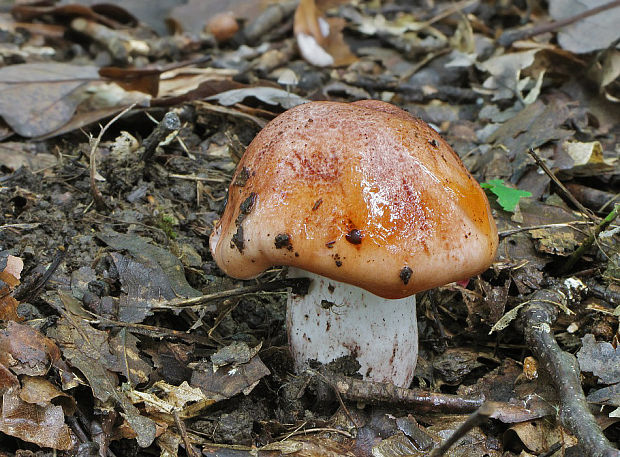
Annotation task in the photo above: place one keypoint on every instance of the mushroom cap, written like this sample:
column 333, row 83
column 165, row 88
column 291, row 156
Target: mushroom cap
column 363, row 193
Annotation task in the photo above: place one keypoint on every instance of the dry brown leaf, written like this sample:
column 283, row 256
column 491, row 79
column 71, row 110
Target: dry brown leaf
column 25, row 350
column 40, row 391
column 140, row 79
column 87, row 349
column 539, row 435
column 41, row 425
column 47, row 95
column 227, row 382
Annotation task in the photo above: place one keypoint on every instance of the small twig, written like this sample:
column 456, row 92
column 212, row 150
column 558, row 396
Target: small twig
column 299, row 286
column 563, row 370
column 384, row 393
column 581, row 250
column 306, row 431
column 505, row 233
column 20, row 226
column 168, row 124
column 482, row 414
column 330, row 383
column 31, row 291
column 189, row 449
column 558, row 183
column 94, row 144
column 219, row 319
column 510, row 36
column 155, row 332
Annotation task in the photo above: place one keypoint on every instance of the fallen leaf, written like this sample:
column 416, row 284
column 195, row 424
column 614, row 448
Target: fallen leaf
column 539, row 435
column 47, row 95
column 42, row 425
column 7, row 379
column 25, row 350
column 589, row 33
column 269, row 95
column 505, row 70
column 234, row 354
column 16, row 155
column 153, row 276
column 87, row 349
column 228, row 382
column 40, row 391
column 599, row 358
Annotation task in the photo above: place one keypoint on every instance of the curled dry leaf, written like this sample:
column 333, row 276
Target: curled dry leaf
column 39, row 391
column 25, row 350
column 88, row 349
column 41, row 425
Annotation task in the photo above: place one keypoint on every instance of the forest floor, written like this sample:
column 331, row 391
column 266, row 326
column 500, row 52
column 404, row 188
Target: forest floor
column 119, row 335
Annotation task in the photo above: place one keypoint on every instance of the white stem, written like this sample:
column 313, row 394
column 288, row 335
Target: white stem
column 336, row 319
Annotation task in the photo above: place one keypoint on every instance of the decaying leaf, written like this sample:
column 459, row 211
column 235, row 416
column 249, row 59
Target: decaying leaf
column 42, row 425
column 38, row 390
column 165, row 399
column 539, row 435
column 601, row 359
column 507, row 197
column 153, row 275
column 47, row 95
column 234, row 354
column 506, row 80
column 16, row 155
column 7, row 379
column 228, row 382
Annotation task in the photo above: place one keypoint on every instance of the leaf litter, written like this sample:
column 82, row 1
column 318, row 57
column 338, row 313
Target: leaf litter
column 116, row 326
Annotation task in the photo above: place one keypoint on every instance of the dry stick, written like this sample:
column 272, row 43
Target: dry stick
column 338, row 396
column 384, row 393
column 510, row 36
column 481, row 415
column 94, row 144
column 505, row 233
column 189, row 449
column 156, row 332
column 574, row 414
column 558, row 183
column 32, row 290
column 168, row 124
column 298, row 285
column 575, row 256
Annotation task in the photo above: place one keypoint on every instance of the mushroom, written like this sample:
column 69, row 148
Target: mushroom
column 375, row 206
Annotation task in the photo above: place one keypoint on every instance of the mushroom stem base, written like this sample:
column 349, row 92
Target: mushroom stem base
column 336, row 319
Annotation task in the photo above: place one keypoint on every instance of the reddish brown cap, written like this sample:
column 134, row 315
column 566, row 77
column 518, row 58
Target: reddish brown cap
column 362, row 193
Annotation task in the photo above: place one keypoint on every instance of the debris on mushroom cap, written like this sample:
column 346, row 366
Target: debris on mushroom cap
column 398, row 213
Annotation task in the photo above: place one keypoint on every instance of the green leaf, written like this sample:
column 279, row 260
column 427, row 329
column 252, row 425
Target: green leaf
column 507, row 197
